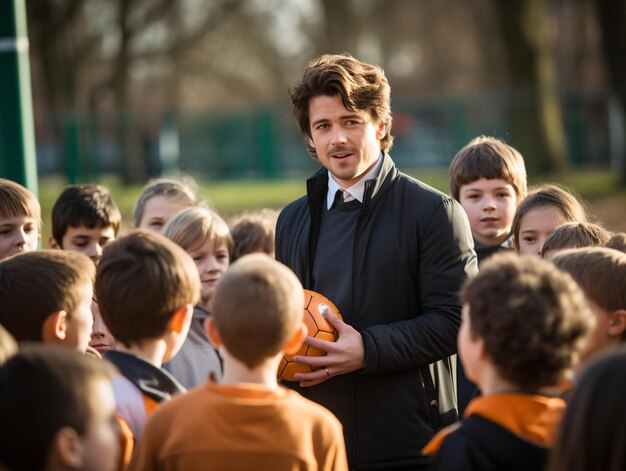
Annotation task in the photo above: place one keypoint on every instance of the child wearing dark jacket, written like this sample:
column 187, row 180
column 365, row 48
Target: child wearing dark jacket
column 524, row 325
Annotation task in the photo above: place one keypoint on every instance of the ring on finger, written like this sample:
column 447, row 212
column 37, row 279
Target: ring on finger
column 327, row 372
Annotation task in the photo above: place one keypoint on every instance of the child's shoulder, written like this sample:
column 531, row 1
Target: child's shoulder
column 479, row 443
column 152, row 382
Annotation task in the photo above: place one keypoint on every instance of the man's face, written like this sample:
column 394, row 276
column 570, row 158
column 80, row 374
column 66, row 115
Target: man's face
column 18, row 234
column 347, row 142
column 87, row 241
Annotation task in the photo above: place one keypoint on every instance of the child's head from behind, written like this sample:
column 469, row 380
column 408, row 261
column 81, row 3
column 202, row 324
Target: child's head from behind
column 84, row 219
column 63, row 406
column 542, row 211
column 617, row 242
column 525, row 318
column 145, row 286
column 46, row 297
column 601, row 273
column 571, row 235
column 488, row 178
column 205, row 236
column 20, row 219
column 160, row 199
column 253, row 232
column 591, row 433
column 257, row 309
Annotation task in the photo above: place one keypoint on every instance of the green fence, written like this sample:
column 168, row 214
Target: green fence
column 264, row 142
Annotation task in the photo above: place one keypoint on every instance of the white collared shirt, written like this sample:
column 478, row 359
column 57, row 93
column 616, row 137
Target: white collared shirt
column 357, row 190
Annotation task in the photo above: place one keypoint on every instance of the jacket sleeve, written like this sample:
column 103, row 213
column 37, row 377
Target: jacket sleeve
column 445, row 259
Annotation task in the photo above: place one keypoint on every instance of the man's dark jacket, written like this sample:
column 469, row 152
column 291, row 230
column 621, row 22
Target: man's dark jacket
column 412, row 251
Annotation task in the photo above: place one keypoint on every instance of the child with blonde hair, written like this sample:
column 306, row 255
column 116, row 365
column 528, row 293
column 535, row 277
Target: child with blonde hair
column 204, row 235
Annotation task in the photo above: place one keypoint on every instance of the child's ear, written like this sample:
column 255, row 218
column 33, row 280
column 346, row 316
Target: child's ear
column 211, row 330
column 52, row 243
column 296, row 340
column 180, row 318
column 54, row 327
column 617, row 325
column 67, row 448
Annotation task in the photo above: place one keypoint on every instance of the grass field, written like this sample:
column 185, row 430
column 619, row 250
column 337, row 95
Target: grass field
column 601, row 189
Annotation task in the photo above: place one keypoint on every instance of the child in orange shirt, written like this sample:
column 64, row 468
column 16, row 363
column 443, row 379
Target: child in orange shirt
column 247, row 421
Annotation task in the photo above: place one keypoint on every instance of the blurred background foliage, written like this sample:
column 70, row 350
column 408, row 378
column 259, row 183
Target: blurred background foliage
column 139, row 88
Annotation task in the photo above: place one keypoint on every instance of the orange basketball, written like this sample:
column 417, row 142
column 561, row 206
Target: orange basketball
column 316, row 307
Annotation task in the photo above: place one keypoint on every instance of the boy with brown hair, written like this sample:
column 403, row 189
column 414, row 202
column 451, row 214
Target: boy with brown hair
column 84, row 219
column 601, row 274
column 247, row 421
column 58, row 412
column 146, row 287
column 524, row 325
column 617, row 242
column 572, row 235
column 46, row 297
column 488, row 178
column 253, row 232
column 20, row 219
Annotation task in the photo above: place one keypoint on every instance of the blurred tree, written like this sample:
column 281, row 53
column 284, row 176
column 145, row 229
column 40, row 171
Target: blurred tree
column 612, row 15
column 536, row 123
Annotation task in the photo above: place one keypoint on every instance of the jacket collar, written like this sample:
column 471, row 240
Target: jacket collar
column 317, row 185
column 356, row 191
column 531, row 417
column 156, row 383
